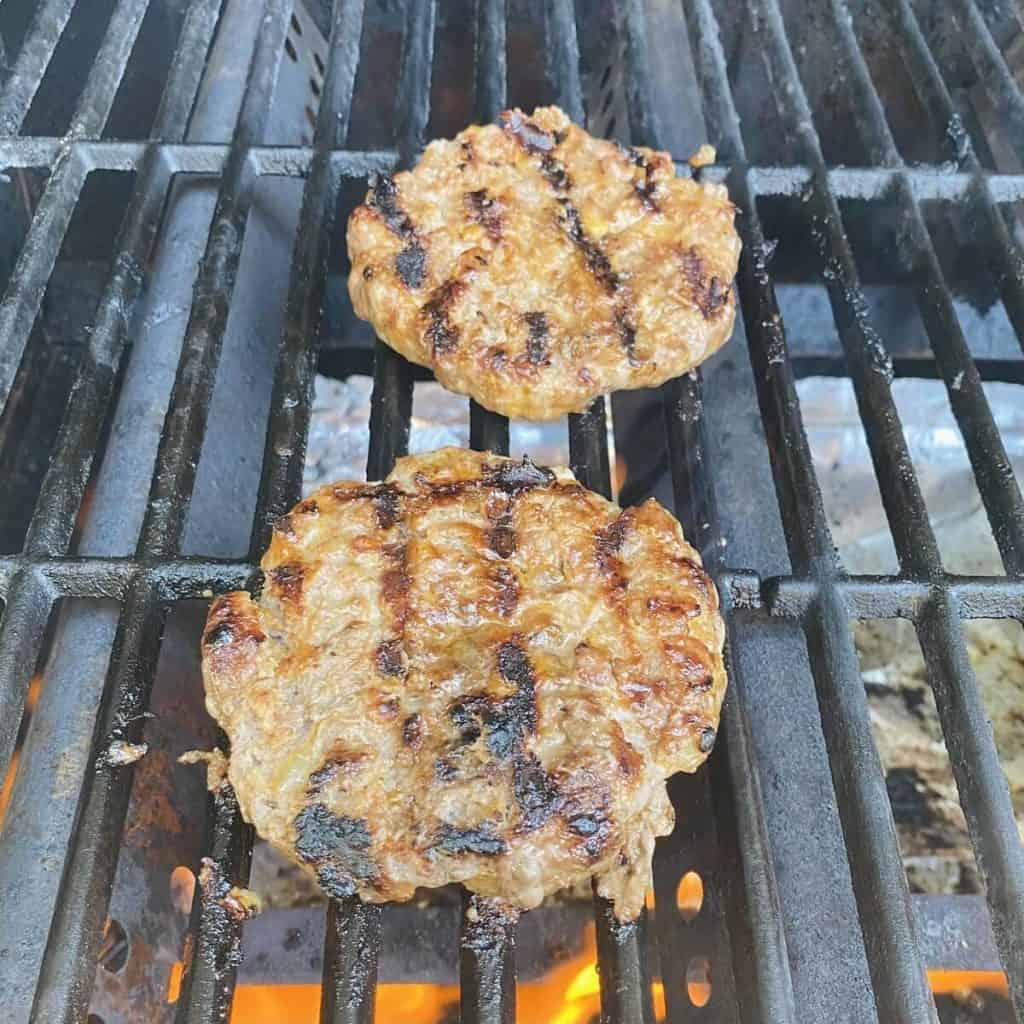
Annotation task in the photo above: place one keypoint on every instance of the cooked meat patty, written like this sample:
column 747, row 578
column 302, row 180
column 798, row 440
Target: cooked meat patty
column 476, row 671
column 534, row 267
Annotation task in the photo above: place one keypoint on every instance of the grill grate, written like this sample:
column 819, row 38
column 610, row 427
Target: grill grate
column 50, row 974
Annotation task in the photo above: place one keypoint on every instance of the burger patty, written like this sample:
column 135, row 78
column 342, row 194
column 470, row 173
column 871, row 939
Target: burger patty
column 476, row 671
column 534, row 267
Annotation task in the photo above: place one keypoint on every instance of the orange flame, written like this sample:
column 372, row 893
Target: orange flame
column 7, row 784
column 570, row 993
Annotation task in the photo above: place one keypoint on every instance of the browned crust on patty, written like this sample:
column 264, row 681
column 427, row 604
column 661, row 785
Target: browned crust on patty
column 476, row 671
column 534, row 267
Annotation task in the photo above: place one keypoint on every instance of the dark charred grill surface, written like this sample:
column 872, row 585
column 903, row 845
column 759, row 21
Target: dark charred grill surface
column 56, row 892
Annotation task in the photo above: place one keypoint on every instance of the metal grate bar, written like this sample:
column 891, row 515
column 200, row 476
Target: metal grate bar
column 184, row 425
column 766, row 992
column 564, row 57
column 878, row 877
column 38, row 254
column 76, row 931
column 351, row 947
column 352, row 935
column 108, row 578
column 588, row 431
column 287, row 434
column 488, row 432
column 489, row 61
column 973, row 755
column 127, row 692
column 768, row 995
column 1008, row 262
column 391, row 401
column 31, row 63
column 982, row 786
column 35, row 263
column 992, row 468
column 108, row 69
column 788, row 597
column 926, row 182
column 993, row 71
column 29, row 600
column 877, row 872
column 625, row 990
column 487, row 974
column 350, row 1000
column 64, row 484
column 17, row 314
column 487, row 940
column 209, row 979
column 68, row 969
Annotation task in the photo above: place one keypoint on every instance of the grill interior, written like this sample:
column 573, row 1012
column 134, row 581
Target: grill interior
column 177, row 178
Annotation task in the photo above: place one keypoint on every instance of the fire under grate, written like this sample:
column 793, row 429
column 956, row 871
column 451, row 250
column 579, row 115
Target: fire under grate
column 59, row 852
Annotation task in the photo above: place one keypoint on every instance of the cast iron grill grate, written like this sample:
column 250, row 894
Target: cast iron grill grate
column 46, row 974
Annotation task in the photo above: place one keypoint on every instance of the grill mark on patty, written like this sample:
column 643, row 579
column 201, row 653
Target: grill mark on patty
column 600, row 267
column 337, row 848
column 503, row 722
column 684, row 607
column 690, row 660
column 644, row 189
column 510, row 720
column 501, row 540
column 226, row 626
column 593, row 255
column 287, row 580
column 541, row 143
column 486, row 211
column 412, row 730
column 710, row 294
column 528, row 134
column 339, row 758
column 482, row 840
column 442, row 334
column 514, row 478
column 395, row 582
column 390, row 658
column 538, row 142
column 607, row 545
column 285, row 524
column 384, row 199
column 588, row 817
column 627, row 331
column 506, row 588
column 594, row 828
column 467, row 714
column 535, row 791
column 555, row 173
column 517, row 477
column 388, row 505
column 501, row 537
column 537, row 340
column 626, row 757
column 410, row 263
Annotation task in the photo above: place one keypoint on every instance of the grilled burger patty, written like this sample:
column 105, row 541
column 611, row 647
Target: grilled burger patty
column 476, row 671
column 534, row 267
